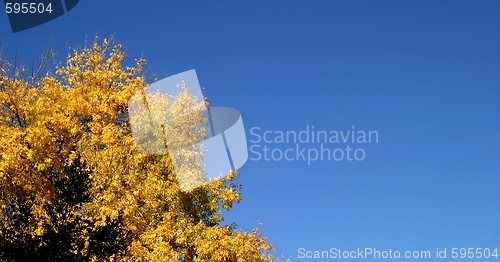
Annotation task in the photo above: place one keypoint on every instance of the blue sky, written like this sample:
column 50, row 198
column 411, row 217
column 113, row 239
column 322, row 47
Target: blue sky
column 423, row 74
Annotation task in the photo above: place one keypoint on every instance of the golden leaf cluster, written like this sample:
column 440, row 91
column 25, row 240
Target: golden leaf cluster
column 72, row 179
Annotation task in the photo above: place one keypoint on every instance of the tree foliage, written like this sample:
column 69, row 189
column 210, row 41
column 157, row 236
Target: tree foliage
column 74, row 187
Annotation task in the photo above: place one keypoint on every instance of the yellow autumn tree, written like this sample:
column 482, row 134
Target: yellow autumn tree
column 74, row 186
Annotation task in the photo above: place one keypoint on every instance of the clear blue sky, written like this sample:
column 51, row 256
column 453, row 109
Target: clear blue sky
column 424, row 74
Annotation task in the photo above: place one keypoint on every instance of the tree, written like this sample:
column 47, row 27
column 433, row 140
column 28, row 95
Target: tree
column 74, row 187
